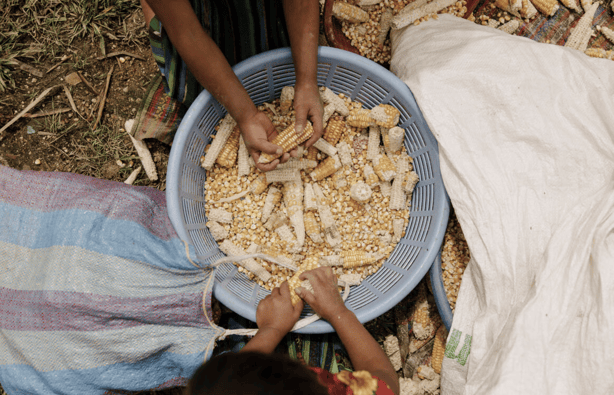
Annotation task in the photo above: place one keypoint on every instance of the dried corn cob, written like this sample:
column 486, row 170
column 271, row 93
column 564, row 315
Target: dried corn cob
column 350, row 13
column 385, row 188
column 220, row 215
column 607, row 32
column 230, row 249
column 299, row 164
column 329, row 97
column 326, row 216
column 273, row 197
column 294, row 282
column 546, row 7
column 494, row 23
column 397, row 195
column 311, row 203
column 586, row 4
column 600, row 53
column 411, row 179
column 300, row 151
column 510, row 27
column 288, row 140
column 366, row 3
column 361, row 192
column 385, row 115
column 325, row 147
column 572, row 4
column 286, row 98
column 326, row 168
column 243, row 165
column 404, row 18
column 228, row 155
column 280, row 258
column 439, row 349
column 339, row 178
column 312, row 227
column 329, row 110
column 345, row 153
column 373, row 143
column 398, row 225
column 253, row 248
column 217, row 231
column 283, row 175
column 351, row 259
column 371, row 179
column 259, row 184
column 312, row 153
column 223, row 133
column 276, row 220
column 285, row 234
column 402, row 165
column 513, row 8
column 528, row 10
column 393, row 352
column 422, row 324
column 360, row 118
column 384, row 168
column 293, row 198
column 395, row 138
column 581, row 34
column 425, row 372
column 334, row 129
column 385, row 23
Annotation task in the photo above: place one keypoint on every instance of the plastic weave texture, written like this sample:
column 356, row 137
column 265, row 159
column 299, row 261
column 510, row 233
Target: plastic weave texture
column 363, row 80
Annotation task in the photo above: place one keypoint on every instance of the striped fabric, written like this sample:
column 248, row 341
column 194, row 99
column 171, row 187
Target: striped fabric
column 97, row 292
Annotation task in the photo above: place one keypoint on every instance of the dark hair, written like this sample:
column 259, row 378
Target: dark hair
column 255, row 374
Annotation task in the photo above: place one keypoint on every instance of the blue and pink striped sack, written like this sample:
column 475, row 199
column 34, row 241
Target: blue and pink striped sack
column 97, row 292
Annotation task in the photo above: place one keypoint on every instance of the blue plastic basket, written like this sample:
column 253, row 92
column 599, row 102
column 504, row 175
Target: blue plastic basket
column 439, row 292
column 263, row 76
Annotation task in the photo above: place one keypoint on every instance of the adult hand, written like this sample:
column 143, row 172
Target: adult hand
column 325, row 300
column 308, row 106
column 275, row 312
column 258, row 131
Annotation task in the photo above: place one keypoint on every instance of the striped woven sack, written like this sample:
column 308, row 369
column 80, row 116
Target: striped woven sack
column 97, row 292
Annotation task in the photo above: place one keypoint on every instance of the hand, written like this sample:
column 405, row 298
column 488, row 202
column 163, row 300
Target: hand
column 325, row 300
column 275, row 312
column 258, row 131
column 308, row 105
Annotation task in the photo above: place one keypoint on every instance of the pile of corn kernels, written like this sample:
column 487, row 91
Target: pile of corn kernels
column 454, row 258
column 365, row 227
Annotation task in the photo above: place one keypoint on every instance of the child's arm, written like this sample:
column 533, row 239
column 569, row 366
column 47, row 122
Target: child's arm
column 275, row 317
column 303, row 22
column 365, row 353
column 208, row 64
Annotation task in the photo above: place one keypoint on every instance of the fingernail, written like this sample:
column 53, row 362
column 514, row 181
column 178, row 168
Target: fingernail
column 279, row 151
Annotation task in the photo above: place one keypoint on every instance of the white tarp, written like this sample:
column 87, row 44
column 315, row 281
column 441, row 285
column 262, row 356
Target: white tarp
column 525, row 133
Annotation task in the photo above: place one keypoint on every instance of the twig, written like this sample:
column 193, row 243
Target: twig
column 29, row 107
column 47, row 113
column 104, row 96
column 87, row 83
column 112, row 54
column 26, row 67
column 70, row 99
column 57, row 64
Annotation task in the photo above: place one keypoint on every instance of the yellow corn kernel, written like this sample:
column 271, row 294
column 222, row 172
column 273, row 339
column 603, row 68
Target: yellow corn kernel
column 385, row 115
column 334, row 129
column 546, row 7
column 439, row 349
column 228, row 155
column 360, row 118
column 294, row 282
column 312, row 153
column 384, row 168
column 327, row 167
column 607, row 32
column 288, row 140
column 286, row 98
column 348, row 12
column 224, row 131
column 312, row 227
column 259, row 185
column 599, row 53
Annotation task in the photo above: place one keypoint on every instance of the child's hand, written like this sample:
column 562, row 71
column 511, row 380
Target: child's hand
column 258, row 131
column 276, row 311
column 325, row 300
column 308, row 105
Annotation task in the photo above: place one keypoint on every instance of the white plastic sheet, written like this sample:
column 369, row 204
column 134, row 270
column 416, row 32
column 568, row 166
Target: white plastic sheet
column 525, row 133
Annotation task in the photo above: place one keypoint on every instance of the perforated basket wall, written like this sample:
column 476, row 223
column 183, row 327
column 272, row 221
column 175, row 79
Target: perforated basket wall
column 263, row 76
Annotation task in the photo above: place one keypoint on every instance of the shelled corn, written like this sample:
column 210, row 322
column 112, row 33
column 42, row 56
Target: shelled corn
column 268, row 206
column 454, row 258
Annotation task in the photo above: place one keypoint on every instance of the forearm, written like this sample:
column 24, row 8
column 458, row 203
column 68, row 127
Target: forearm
column 303, row 22
column 264, row 341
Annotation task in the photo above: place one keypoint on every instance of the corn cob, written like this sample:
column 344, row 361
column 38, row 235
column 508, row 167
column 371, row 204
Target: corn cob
column 243, row 165
column 228, row 154
column 385, row 23
column 385, row 188
column 280, row 258
column 422, row 323
column 572, row 4
column 325, row 147
column 351, row 259
column 312, row 227
column 294, row 282
column 329, row 110
column 223, row 133
column 276, row 220
column 311, row 203
column 326, row 168
column 339, row 178
column 494, row 23
column 273, row 197
column 384, row 168
column 393, row 352
column 398, row 229
column 373, row 143
column 402, row 165
column 371, row 179
column 404, row 18
column 288, row 140
column 513, row 7
column 600, row 53
column 350, row 279
column 581, row 34
column 253, row 248
column 439, row 349
column 397, row 195
column 230, row 249
column 259, row 184
column 329, row 97
column 285, row 234
column 360, row 118
column 607, row 32
column 217, row 231
column 546, row 7
column 220, row 215
column 283, row 175
column 334, row 129
column 411, row 179
column 586, row 4
column 349, row 13
column 366, row 3
column 299, row 164
column 510, row 27
column 293, row 198
column 326, row 216
column 395, row 139
column 361, row 192
column 385, row 115
column 286, row 98
column 300, row 151
column 312, row 153
column 528, row 10
column 425, row 372
column 345, row 153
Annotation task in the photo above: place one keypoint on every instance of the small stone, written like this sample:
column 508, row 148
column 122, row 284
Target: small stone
column 37, row 162
column 122, row 59
column 73, row 78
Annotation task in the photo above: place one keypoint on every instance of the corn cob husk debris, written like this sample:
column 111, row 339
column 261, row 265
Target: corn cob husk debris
column 288, row 140
column 223, row 133
column 273, row 197
column 581, row 34
column 394, row 138
column 285, row 234
column 220, row 215
column 132, row 177
column 385, row 24
column 586, row 4
column 422, row 323
column 276, row 220
column 572, row 5
column 351, row 259
column 243, row 165
column 345, row 153
column 385, row 188
column 408, row 17
column 411, row 179
column 425, row 372
column 398, row 227
column 293, row 199
column 218, row 232
column 339, row 178
column 350, row 13
column 361, row 192
column 230, row 249
column 312, row 227
column 397, row 194
column 286, row 99
column 329, row 110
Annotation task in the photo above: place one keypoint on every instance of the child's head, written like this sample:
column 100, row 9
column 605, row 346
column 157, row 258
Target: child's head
column 254, row 373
